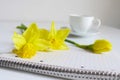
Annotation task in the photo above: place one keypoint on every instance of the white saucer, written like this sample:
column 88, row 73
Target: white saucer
column 89, row 33
column 84, row 34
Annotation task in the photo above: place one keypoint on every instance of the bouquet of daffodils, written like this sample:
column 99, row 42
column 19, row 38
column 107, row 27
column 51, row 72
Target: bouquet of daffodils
column 35, row 39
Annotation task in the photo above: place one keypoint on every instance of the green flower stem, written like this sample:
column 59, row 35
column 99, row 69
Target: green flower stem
column 22, row 27
column 76, row 44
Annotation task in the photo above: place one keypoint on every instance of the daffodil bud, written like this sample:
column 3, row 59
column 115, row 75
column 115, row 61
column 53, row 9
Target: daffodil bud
column 101, row 46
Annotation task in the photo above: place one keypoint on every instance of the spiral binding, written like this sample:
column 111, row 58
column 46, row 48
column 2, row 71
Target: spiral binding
column 57, row 71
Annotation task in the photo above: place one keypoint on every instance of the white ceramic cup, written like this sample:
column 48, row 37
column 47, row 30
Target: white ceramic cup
column 83, row 24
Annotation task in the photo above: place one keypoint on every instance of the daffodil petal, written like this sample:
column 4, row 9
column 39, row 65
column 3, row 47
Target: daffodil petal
column 58, row 44
column 63, row 33
column 53, row 31
column 43, row 34
column 64, row 47
column 31, row 33
column 18, row 40
column 41, row 45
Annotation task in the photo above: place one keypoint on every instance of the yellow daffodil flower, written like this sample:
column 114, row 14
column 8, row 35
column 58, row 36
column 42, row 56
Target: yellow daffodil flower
column 97, row 47
column 27, row 44
column 55, row 37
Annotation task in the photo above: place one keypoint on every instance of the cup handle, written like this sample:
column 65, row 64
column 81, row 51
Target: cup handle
column 96, row 24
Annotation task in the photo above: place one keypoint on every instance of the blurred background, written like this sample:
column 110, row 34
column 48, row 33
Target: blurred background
column 59, row 10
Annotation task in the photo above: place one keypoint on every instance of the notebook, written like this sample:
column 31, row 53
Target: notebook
column 74, row 63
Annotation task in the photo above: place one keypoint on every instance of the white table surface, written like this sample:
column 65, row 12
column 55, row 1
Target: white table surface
column 7, row 29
